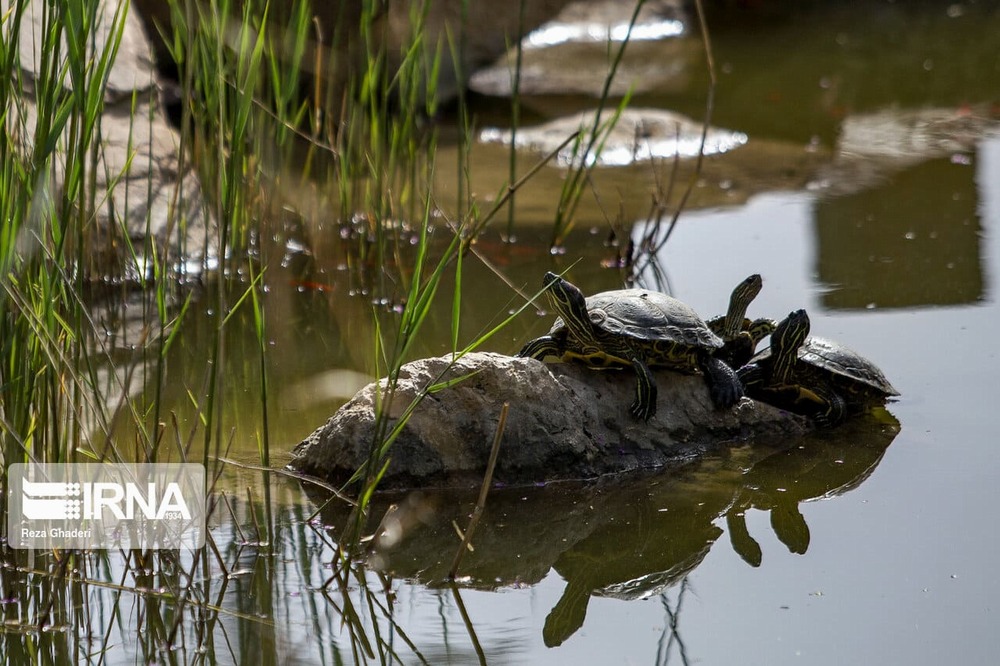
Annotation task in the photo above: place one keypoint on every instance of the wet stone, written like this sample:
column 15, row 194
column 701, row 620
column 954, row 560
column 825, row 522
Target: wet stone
column 639, row 135
column 565, row 421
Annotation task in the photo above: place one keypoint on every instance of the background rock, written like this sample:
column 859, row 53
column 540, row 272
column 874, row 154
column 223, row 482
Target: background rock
column 572, row 53
column 144, row 191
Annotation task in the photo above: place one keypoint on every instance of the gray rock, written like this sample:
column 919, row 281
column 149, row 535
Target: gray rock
column 565, row 421
column 570, row 54
column 143, row 190
column 132, row 68
column 638, row 135
column 335, row 53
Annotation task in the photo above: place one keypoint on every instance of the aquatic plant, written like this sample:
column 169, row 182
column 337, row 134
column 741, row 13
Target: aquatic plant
column 92, row 319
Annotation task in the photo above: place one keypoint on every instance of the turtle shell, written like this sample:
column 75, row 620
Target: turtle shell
column 840, row 361
column 648, row 316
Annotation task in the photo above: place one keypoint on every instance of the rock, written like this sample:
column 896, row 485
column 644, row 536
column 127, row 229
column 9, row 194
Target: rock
column 645, row 530
column 565, row 421
column 141, row 186
column 873, row 146
column 570, row 54
column 638, row 135
column 478, row 32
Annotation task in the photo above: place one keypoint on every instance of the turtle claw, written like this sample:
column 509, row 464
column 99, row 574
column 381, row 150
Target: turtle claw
column 641, row 411
column 835, row 412
column 725, row 396
column 827, row 421
column 724, row 386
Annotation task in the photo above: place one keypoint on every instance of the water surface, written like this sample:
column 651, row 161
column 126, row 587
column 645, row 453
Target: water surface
column 873, row 543
column 870, row 544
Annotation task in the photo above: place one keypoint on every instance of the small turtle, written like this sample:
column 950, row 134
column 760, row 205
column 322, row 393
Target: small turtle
column 814, row 376
column 741, row 335
column 635, row 328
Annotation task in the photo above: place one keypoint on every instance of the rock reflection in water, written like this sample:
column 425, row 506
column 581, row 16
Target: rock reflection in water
column 626, row 538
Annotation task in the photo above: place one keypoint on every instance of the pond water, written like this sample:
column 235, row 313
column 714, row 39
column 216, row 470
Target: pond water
column 870, row 197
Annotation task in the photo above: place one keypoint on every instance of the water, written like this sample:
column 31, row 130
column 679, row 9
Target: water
column 868, row 552
column 874, row 543
column 896, row 570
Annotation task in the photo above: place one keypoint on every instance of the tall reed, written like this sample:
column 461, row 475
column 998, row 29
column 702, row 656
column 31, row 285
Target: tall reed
column 47, row 162
column 243, row 117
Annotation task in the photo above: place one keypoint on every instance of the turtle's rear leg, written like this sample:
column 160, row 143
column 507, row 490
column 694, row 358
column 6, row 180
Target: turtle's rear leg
column 833, row 410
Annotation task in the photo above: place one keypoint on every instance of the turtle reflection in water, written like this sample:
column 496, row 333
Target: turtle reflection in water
column 814, row 376
column 638, row 329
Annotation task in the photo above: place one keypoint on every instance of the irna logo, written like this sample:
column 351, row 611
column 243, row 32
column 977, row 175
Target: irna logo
column 90, row 501
column 92, row 506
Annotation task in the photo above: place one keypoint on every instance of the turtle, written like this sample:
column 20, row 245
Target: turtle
column 741, row 335
column 634, row 328
column 814, row 376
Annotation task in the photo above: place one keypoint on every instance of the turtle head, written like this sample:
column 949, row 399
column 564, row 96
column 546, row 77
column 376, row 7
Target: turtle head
column 571, row 305
column 739, row 301
column 786, row 339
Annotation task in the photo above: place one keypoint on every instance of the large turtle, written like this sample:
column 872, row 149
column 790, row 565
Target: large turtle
column 740, row 334
column 814, row 376
column 636, row 328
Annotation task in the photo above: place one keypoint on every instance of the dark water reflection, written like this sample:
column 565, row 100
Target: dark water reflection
column 913, row 241
column 625, row 538
column 796, row 70
column 279, row 596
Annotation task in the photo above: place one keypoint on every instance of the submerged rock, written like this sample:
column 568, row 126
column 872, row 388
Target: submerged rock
column 571, row 54
column 639, row 135
column 565, row 421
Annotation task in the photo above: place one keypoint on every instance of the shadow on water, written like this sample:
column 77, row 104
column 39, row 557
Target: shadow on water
column 624, row 538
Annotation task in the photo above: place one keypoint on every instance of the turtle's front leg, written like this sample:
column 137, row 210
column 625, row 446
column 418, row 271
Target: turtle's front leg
column 645, row 391
column 541, row 347
column 723, row 385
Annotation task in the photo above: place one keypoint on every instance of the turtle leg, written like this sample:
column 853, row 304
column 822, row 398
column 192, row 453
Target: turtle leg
column 737, row 351
column 790, row 397
column 752, row 376
column 723, row 385
column 820, row 403
column 833, row 409
column 645, row 391
column 541, row 347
